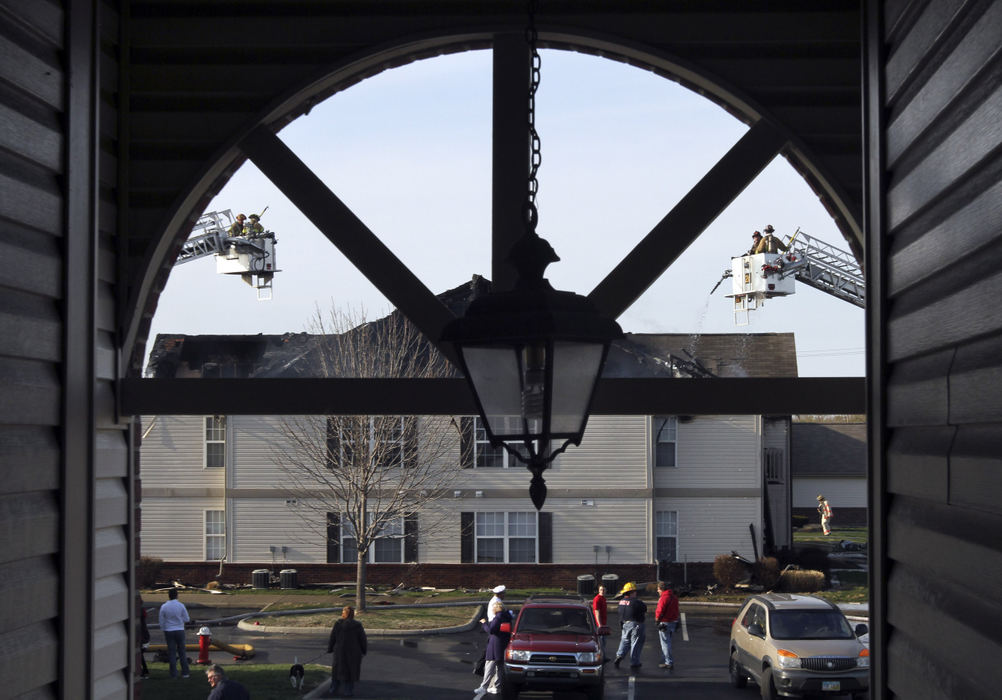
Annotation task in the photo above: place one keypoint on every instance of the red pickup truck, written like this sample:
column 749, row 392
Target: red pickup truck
column 554, row 646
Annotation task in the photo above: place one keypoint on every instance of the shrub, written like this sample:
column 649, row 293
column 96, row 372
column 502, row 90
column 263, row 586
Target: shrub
column 767, row 572
column 814, row 558
column 802, row 581
column 799, row 521
column 728, row 570
column 148, row 571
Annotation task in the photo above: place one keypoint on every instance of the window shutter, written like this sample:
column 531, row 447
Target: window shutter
column 466, row 442
column 410, row 443
column 466, row 538
column 333, row 443
column 333, row 538
column 545, row 538
column 410, row 537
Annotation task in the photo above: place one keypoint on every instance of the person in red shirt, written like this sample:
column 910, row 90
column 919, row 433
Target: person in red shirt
column 600, row 609
column 666, row 615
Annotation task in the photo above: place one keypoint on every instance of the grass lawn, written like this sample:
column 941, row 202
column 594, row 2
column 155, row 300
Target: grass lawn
column 376, row 617
column 811, row 534
column 264, row 681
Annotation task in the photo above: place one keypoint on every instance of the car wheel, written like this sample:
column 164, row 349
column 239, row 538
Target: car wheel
column 738, row 677
column 767, row 686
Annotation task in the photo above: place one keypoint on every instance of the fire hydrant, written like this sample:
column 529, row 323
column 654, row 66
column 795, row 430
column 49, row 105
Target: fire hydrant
column 204, row 641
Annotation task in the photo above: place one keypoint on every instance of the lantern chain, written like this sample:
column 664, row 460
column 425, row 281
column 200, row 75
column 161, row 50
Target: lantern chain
column 535, row 153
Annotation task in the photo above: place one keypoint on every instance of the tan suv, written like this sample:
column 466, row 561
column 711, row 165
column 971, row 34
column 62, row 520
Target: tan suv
column 795, row 645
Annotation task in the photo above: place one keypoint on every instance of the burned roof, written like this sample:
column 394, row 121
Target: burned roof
column 636, row 355
column 828, row 449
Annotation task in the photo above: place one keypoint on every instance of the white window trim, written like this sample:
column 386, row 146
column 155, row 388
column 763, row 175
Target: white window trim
column 371, row 554
column 206, row 441
column 206, row 535
column 678, row 543
column 506, row 537
column 654, row 442
column 372, row 437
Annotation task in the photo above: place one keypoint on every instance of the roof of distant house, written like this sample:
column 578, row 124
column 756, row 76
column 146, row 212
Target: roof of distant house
column 638, row 355
column 828, row 449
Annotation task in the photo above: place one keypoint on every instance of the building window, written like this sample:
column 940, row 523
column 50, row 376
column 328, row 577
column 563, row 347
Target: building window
column 359, row 439
column 666, row 535
column 665, row 440
column 215, row 535
column 386, row 548
column 485, row 456
column 215, row 441
column 506, row 538
column 773, row 459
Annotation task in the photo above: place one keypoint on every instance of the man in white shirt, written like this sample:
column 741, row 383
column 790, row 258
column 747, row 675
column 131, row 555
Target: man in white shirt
column 173, row 616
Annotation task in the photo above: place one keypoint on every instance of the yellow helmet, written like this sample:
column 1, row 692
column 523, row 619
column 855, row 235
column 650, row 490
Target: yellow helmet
column 630, row 586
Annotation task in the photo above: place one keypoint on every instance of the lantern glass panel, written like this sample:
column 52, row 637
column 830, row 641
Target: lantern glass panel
column 575, row 370
column 495, row 376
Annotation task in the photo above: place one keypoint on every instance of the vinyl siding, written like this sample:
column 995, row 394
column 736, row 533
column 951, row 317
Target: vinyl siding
column 173, row 454
column 261, row 523
column 173, row 528
column 715, row 452
column 702, row 538
column 613, row 454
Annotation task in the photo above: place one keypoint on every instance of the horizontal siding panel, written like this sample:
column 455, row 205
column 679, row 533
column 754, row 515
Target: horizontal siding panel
column 917, row 462
column 965, row 149
column 173, row 528
column 32, row 327
column 617, row 523
column 28, row 660
column 31, row 459
column 613, row 454
column 954, row 75
column 31, row 265
column 715, row 451
column 24, row 135
column 31, row 392
column 29, row 525
column 111, row 454
column 111, row 650
column 972, row 226
column 915, row 47
column 976, row 383
column 711, row 526
column 260, row 524
column 111, row 552
column 32, row 66
column 976, row 467
column 31, row 591
column 957, row 318
column 918, row 391
column 111, row 686
column 36, row 205
column 173, row 453
column 111, row 598
column 111, row 503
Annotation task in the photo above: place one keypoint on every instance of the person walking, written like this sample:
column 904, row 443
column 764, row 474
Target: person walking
column 600, row 609
column 348, row 644
column 498, row 629
column 224, row 688
column 173, row 616
column 826, row 514
column 632, row 611
column 666, row 615
column 480, row 667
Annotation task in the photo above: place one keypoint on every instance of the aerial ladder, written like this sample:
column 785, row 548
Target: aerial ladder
column 251, row 254
column 760, row 276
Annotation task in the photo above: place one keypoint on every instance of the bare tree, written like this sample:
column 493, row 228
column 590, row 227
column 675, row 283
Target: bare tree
column 367, row 477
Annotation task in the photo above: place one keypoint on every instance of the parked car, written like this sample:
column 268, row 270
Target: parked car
column 555, row 646
column 795, row 645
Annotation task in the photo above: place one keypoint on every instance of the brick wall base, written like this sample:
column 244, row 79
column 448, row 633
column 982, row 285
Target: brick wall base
column 439, row 575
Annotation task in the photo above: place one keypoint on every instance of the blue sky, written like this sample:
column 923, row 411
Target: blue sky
column 409, row 151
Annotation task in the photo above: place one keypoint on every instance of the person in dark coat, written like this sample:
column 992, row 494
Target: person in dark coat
column 497, row 642
column 348, row 644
